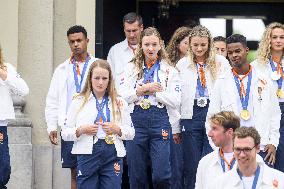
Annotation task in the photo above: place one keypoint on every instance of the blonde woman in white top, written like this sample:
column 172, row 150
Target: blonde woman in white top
column 97, row 122
column 198, row 71
column 10, row 83
column 152, row 88
column 270, row 61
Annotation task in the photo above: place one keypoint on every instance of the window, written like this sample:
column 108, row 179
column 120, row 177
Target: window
column 252, row 29
column 217, row 26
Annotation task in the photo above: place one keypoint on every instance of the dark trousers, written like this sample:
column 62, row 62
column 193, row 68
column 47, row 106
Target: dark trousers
column 100, row 170
column 5, row 168
column 279, row 164
column 176, row 165
column 68, row 160
column 195, row 144
column 151, row 141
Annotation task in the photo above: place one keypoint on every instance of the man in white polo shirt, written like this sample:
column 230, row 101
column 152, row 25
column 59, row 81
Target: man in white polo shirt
column 122, row 53
column 223, row 125
column 249, row 173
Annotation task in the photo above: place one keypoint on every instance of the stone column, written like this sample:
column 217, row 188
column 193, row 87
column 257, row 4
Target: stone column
column 35, row 63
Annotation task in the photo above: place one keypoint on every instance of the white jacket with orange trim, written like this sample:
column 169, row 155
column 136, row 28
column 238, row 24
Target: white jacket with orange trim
column 170, row 97
column 56, row 99
column 189, row 82
column 78, row 116
column 268, row 179
column 266, row 112
column 13, row 84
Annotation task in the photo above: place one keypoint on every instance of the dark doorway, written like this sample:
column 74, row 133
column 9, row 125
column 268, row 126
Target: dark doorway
column 109, row 13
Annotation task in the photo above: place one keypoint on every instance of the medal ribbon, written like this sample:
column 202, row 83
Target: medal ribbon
column 150, row 63
column 244, row 94
column 201, row 81
column 279, row 71
column 255, row 177
column 100, row 108
column 76, row 72
column 149, row 74
column 223, row 161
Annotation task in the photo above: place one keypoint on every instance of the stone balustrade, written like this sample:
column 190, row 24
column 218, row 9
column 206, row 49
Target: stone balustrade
column 21, row 149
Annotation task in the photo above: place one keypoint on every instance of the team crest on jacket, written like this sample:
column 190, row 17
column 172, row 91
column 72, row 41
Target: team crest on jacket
column 1, row 138
column 165, row 134
column 116, row 168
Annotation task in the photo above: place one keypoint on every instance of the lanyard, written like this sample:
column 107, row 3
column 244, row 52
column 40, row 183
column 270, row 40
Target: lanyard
column 255, row 177
column 100, row 108
column 201, row 87
column 223, row 161
column 149, row 74
column 77, row 84
column 243, row 97
column 280, row 80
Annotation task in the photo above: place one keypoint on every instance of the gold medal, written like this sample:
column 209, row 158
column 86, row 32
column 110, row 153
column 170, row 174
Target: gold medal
column 145, row 104
column 245, row 115
column 280, row 93
column 75, row 95
column 109, row 139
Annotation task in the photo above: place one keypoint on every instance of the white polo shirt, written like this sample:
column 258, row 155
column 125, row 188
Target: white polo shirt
column 118, row 57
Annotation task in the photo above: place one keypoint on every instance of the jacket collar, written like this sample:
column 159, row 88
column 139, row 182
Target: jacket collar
column 65, row 64
column 215, row 157
column 124, row 45
column 257, row 76
column 266, row 176
column 163, row 67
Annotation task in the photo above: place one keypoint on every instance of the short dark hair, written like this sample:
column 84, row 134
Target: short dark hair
column 244, row 132
column 219, row 38
column 132, row 17
column 227, row 119
column 77, row 29
column 237, row 38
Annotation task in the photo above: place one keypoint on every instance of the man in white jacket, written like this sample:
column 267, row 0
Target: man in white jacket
column 249, row 95
column 67, row 81
column 211, row 166
column 249, row 173
column 123, row 52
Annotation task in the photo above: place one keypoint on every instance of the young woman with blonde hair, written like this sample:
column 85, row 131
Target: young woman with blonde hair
column 198, row 71
column 97, row 122
column 10, row 83
column 152, row 88
column 270, row 61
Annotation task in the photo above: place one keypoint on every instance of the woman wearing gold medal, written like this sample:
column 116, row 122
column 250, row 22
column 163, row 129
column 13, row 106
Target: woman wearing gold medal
column 97, row 122
column 198, row 72
column 152, row 88
column 247, row 92
column 270, row 62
